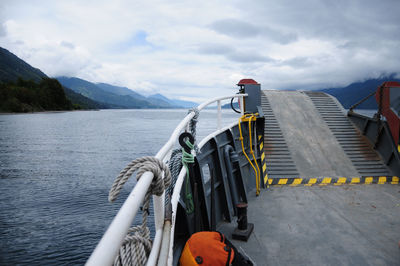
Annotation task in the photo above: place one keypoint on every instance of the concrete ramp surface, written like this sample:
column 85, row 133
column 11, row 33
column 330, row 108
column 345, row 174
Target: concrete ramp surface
column 308, row 135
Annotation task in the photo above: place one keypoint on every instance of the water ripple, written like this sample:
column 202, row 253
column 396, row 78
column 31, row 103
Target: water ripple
column 55, row 173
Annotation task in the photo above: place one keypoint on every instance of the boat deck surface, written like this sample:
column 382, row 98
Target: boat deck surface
column 308, row 135
column 324, row 225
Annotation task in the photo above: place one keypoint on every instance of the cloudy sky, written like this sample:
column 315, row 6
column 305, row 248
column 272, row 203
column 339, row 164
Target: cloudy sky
column 199, row 49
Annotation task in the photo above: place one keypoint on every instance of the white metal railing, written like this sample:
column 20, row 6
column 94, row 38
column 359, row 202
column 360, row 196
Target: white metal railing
column 107, row 248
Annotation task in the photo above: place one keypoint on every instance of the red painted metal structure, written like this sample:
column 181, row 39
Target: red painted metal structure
column 247, row 81
column 382, row 96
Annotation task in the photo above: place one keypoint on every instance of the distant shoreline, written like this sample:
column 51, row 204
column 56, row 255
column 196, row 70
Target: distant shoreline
column 46, row 112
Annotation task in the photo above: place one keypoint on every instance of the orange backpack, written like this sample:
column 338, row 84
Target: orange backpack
column 207, row 248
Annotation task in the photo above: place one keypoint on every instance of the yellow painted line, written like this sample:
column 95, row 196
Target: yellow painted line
column 311, row 182
column 282, row 181
column 368, row 180
column 326, row 180
column 382, row 180
column 259, row 137
column 329, row 180
column 261, row 145
column 341, row 181
column 262, row 156
column 296, row 181
column 264, row 168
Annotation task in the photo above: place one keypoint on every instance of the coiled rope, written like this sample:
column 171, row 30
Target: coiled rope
column 137, row 244
column 192, row 126
column 179, row 157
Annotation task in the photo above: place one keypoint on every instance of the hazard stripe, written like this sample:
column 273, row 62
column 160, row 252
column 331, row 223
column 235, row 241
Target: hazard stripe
column 265, row 179
column 333, row 181
column 311, row 181
column 340, row 181
column 263, row 162
column 368, row 180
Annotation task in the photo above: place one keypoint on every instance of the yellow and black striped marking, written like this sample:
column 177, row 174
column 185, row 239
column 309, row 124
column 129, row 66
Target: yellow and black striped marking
column 323, row 181
column 263, row 161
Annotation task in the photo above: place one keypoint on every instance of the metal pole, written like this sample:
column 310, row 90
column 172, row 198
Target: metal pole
column 219, row 115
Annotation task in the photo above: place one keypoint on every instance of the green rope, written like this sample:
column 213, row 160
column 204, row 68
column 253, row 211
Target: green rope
column 188, row 158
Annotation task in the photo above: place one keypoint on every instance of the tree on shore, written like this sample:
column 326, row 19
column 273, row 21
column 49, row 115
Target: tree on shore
column 29, row 96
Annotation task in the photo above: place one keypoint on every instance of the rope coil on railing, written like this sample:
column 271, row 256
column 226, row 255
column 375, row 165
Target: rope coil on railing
column 175, row 163
column 137, row 244
column 192, row 126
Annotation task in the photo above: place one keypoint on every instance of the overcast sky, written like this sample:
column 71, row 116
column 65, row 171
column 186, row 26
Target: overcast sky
column 194, row 50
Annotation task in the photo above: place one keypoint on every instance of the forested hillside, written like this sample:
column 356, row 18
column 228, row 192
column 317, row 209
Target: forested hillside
column 31, row 96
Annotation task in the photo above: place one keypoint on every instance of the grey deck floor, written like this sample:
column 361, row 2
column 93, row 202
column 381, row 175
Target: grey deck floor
column 309, row 135
column 330, row 225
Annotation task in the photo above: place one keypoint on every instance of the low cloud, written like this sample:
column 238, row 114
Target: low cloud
column 235, row 28
column 296, row 62
column 3, row 30
column 216, row 49
column 67, row 45
column 240, row 29
column 248, row 57
column 279, row 37
column 233, row 54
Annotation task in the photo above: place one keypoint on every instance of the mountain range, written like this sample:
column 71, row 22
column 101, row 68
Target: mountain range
column 357, row 91
column 84, row 94
column 120, row 97
column 88, row 95
column 12, row 69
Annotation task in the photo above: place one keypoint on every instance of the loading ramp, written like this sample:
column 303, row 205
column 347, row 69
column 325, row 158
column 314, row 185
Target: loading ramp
column 308, row 135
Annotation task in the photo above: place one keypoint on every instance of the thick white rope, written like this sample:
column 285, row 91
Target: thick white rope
column 137, row 244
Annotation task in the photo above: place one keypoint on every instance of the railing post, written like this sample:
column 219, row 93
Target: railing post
column 219, row 115
column 241, row 103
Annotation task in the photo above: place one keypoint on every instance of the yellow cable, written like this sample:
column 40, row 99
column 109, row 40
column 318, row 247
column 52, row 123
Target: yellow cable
column 244, row 152
column 258, row 174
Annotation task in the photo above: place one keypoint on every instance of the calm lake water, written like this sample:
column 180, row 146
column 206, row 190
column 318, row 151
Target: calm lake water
column 56, row 170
